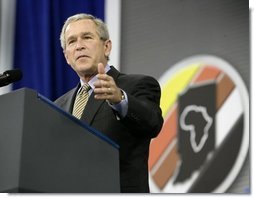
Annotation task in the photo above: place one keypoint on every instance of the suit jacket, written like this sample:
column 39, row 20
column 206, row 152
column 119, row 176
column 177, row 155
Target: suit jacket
column 133, row 132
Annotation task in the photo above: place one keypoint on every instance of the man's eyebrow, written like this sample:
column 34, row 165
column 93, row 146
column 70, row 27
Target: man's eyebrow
column 82, row 34
column 87, row 33
column 71, row 37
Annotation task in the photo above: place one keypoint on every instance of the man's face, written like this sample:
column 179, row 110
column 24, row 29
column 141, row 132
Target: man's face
column 84, row 48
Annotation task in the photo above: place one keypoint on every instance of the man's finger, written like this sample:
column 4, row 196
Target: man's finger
column 101, row 68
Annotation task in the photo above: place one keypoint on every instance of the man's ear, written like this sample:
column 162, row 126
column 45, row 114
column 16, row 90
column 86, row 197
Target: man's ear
column 107, row 47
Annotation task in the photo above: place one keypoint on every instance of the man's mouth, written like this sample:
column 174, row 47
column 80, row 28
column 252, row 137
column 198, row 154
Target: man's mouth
column 82, row 56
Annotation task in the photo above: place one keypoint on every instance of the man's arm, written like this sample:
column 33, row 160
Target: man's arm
column 144, row 114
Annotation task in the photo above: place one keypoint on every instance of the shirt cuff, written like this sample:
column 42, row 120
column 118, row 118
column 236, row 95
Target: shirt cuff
column 121, row 107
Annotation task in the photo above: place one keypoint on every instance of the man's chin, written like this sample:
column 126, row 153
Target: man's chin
column 86, row 70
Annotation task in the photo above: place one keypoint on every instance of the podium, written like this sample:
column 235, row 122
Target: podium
column 44, row 149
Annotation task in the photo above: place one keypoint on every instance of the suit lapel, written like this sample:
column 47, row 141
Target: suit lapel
column 91, row 109
column 93, row 105
column 113, row 72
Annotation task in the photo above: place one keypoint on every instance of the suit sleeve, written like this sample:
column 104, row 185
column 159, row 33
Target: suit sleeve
column 144, row 116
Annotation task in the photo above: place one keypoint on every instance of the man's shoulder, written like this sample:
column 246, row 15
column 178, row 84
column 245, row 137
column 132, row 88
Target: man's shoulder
column 115, row 72
column 135, row 78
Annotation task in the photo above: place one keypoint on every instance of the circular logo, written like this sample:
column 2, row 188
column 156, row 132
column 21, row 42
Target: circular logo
column 205, row 137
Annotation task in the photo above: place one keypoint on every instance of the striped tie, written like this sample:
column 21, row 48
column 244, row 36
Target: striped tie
column 80, row 101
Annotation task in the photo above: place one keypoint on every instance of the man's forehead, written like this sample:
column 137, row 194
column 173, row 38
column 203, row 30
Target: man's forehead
column 86, row 22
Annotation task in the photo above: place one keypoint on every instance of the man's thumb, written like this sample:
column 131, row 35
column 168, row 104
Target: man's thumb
column 101, row 68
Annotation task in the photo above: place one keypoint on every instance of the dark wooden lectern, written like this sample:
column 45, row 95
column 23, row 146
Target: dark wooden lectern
column 44, row 149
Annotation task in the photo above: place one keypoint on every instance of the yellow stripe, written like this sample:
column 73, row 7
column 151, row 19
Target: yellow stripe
column 175, row 85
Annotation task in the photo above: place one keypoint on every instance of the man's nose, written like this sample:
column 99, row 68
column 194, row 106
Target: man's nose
column 80, row 44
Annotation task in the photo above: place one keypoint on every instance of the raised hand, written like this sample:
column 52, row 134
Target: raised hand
column 105, row 87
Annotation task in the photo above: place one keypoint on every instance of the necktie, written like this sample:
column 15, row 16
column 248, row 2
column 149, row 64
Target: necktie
column 80, row 101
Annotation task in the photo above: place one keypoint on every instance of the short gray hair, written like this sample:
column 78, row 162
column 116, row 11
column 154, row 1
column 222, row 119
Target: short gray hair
column 102, row 29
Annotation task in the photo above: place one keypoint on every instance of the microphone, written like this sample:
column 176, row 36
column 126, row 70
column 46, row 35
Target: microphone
column 10, row 76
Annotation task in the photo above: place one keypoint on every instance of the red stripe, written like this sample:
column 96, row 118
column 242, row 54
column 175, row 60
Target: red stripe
column 208, row 73
column 167, row 134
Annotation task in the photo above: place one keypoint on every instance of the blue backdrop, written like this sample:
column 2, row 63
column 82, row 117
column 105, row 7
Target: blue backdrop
column 37, row 50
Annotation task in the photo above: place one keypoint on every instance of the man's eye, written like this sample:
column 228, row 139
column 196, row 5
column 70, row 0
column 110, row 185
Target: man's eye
column 87, row 37
column 70, row 42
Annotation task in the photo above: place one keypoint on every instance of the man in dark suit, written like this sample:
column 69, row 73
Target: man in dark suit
column 123, row 107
